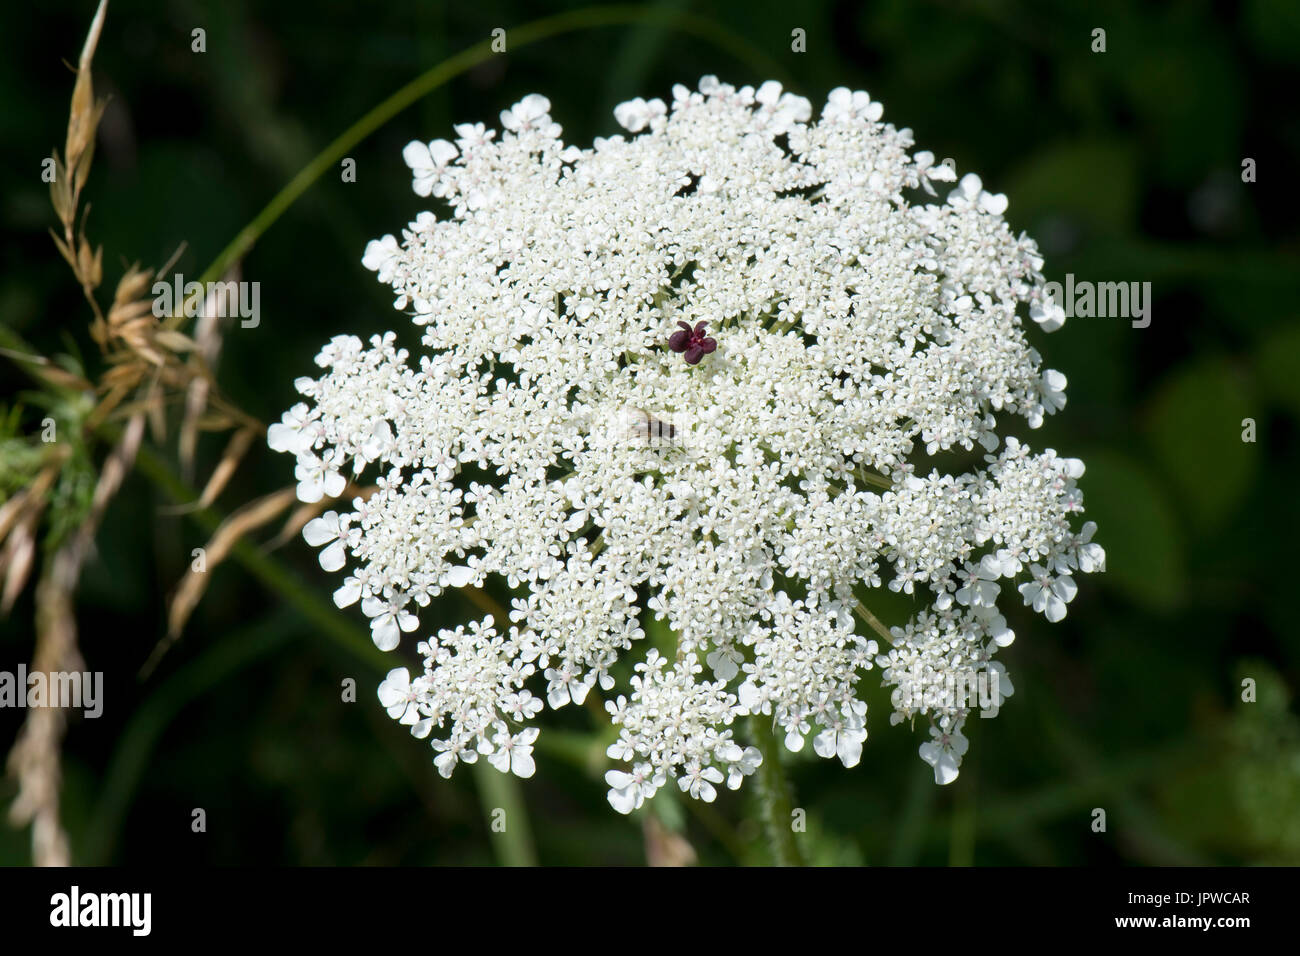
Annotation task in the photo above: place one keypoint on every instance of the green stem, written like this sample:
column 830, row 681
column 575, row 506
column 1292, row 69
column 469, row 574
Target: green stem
column 512, row 839
column 454, row 66
column 872, row 478
column 774, row 795
column 873, row 622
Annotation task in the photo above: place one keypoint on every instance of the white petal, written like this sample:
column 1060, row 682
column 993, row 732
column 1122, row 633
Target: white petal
column 522, row 764
column 333, row 557
column 445, row 762
column 384, row 632
column 850, row 748
column 442, row 152
column 458, row 577
column 824, row 743
column 416, row 155
column 995, row 203
column 619, row 779
column 558, row 695
column 393, row 689
column 321, row 530
column 624, row 801
column 348, row 594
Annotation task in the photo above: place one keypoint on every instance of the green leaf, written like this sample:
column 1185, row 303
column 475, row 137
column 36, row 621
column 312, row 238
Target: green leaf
column 1195, row 428
column 1137, row 527
column 1278, row 363
column 1093, row 181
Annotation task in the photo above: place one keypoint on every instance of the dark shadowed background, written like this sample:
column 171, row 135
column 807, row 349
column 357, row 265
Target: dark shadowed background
column 1126, row 165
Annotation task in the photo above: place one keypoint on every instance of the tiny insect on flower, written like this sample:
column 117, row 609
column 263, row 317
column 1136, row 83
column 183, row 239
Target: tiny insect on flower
column 647, row 428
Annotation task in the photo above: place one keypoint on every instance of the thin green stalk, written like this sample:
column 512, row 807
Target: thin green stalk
column 871, row 477
column 503, row 808
column 873, row 622
column 517, row 37
column 773, row 790
column 912, row 825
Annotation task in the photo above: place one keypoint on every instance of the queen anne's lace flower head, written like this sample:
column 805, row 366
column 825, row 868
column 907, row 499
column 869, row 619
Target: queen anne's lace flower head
column 839, row 329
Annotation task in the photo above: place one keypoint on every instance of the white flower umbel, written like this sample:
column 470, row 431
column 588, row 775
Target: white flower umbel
column 702, row 372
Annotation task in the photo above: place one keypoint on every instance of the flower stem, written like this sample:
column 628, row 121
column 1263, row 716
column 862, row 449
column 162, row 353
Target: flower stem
column 503, row 804
column 863, row 612
column 774, row 795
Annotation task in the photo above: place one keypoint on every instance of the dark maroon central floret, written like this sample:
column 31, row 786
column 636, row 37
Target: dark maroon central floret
column 693, row 342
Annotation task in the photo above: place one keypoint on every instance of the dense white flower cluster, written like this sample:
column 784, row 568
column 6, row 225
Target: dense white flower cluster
column 700, row 373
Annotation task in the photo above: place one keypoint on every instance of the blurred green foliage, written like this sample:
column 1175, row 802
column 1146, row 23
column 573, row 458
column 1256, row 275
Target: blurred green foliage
column 1125, row 165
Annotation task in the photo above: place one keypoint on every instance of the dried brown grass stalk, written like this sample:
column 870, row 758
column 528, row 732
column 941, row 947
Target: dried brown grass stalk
column 150, row 363
column 19, row 517
column 35, row 760
column 207, row 338
column 251, row 516
column 239, row 524
column 299, row 517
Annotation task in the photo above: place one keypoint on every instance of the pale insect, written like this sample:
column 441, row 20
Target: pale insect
column 643, row 428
